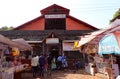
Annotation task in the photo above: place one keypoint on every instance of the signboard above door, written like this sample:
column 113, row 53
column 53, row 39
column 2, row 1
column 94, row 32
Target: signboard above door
column 52, row 40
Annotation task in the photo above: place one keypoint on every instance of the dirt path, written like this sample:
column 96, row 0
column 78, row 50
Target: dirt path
column 81, row 74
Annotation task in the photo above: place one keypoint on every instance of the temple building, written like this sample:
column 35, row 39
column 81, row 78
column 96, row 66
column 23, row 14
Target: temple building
column 54, row 31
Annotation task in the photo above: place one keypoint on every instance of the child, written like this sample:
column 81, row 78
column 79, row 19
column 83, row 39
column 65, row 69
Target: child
column 53, row 67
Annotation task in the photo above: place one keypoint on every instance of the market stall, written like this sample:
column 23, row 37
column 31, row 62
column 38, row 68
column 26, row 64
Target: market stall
column 9, row 53
column 106, row 59
column 2, row 47
column 90, row 50
column 28, row 52
column 94, row 38
column 109, row 49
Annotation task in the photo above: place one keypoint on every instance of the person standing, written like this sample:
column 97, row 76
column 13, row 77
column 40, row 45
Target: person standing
column 78, row 65
column 64, row 63
column 54, row 64
column 41, row 64
column 74, row 65
column 59, row 60
column 49, row 60
column 34, row 64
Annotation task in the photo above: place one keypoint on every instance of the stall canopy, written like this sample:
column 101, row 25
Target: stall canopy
column 87, row 38
column 24, row 43
column 114, row 26
column 109, row 44
column 11, row 43
column 95, row 37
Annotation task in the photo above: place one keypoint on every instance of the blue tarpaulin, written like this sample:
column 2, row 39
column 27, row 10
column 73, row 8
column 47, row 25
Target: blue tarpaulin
column 108, row 45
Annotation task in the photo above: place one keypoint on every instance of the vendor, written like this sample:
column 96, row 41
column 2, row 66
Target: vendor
column 15, row 61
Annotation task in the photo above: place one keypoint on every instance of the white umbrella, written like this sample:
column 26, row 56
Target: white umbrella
column 24, row 43
column 11, row 43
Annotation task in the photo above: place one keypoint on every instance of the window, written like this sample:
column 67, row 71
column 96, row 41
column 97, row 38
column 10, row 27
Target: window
column 56, row 21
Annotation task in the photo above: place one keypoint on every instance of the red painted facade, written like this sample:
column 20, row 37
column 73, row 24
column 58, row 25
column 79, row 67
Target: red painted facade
column 74, row 25
column 37, row 24
column 71, row 22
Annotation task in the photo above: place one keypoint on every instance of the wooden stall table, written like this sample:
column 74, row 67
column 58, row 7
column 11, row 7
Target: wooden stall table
column 18, row 74
column 8, row 73
column 20, row 70
column 13, row 72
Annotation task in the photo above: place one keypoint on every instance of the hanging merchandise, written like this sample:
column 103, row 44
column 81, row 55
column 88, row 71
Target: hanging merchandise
column 91, row 49
column 15, row 51
column 6, row 51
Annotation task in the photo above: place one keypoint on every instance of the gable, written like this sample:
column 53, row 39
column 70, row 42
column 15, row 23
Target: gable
column 75, row 24
column 53, row 16
column 71, row 24
column 55, row 9
column 52, row 36
column 35, row 24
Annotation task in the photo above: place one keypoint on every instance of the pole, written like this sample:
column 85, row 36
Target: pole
column 112, row 74
column 83, row 52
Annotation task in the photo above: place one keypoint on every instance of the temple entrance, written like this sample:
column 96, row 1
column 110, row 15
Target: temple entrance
column 54, row 51
column 52, row 45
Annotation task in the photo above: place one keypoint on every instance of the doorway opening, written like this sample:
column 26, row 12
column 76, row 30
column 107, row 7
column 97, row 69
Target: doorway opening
column 54, row 51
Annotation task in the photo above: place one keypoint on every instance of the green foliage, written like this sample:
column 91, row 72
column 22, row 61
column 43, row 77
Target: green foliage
column 6, row 28
column 117, row 13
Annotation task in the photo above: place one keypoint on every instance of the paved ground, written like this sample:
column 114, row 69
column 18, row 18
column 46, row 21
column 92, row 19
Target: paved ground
column 81, row 74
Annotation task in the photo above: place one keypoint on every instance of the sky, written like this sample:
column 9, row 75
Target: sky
column 94, row 12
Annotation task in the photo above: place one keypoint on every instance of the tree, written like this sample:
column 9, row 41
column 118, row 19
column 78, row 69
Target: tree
column 115, row 15
column 4, row 28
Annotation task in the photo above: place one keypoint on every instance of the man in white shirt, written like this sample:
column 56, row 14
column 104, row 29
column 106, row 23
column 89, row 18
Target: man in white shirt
column 34, row 64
